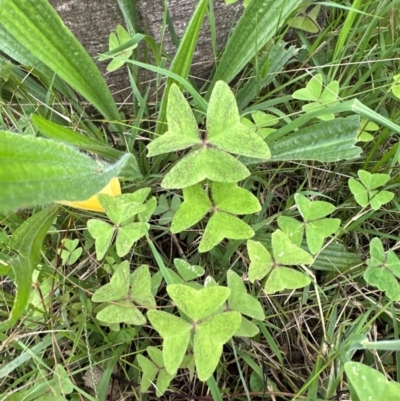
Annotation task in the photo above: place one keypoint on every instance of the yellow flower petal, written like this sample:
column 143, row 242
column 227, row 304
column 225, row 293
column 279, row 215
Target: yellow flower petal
column 112, row 188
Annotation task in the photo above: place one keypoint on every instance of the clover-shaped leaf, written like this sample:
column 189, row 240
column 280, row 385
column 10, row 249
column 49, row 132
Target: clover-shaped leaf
column 116, row 40
column 176, row 334
column 153, row 368
column 198, row 304
column 396, row 86
column 210, row 156
column 366, row 127
column 121, row 210
column 274, row 267
column 209, row 338
column 383, row 270
column 228, row 199
column 195, row 206
column 366, row 192
column 117, row 296
column 240, row 300
column 306, row 20
column 187, row 271
column 141, row 287
column 167, row 209
column 223, row 225
column 320, row 99
column 117, row 288
column 316, row 228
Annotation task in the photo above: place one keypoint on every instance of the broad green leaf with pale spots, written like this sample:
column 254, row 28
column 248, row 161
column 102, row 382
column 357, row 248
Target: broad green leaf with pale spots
column 261, row 261
column 187, row 271
column 246, row 329
column 118, row 286
column 233, row 199
column 222, row 112
column 129, row 234
column 383, row 269
column 282, row 278
column 209, row 339
column 102, row 232
column 286, row 253
column 195, row 206
column 205, row 163
column 182, row 127
column 198, row 304
column 141, row 287
column 312, row 210
column 243, row 141
column 223, row 225
column 176, row 334
column 317, row 231
column 293, row 228
column 369, row 384
column 121, row 312
column 240, row 300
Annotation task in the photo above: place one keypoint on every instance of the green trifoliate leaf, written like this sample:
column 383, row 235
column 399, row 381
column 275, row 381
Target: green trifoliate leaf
column 121, row 312
column 209, row 338
column 233, row 199
column 306, row 21
column 312, row 210
column 318, row 230
column 102, row 233
column 293, row 228
column 240, row 300
column 182, row 127
column 223, row 225
column 119, row 208
column 222, row 112
column 118, row 286
column 282, row 278
column 320, row 99
column 261, row 261
column 195, row 206
column 205, row 163
column 383, row 269
column 141, row 287
column 367, row 193
column 198, row 304
column 176, row 334
column 187, row 271
column 286, row 253
column 129, row 234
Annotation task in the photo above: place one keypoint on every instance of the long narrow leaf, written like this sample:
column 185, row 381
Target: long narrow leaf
column 27, row 239
column 255, row 28
column 40, row 171
column 38, row 28
column 183, row 59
